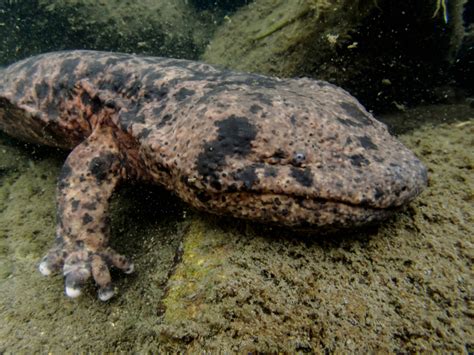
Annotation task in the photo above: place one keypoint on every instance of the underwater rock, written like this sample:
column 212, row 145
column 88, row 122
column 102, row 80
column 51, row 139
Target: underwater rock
column 160, row 28
column 388, row 54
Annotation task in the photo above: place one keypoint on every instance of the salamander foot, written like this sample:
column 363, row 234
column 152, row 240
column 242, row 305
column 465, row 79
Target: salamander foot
column 80, row 264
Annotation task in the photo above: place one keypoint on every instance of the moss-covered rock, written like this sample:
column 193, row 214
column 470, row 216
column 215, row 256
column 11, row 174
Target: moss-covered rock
column 162, row 28
column 388, row 54
column 278, row 37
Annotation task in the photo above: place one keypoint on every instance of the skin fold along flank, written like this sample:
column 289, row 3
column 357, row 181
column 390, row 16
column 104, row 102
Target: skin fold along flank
column 296, row 152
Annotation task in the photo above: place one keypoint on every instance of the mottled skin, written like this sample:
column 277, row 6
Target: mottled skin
column 296, row 152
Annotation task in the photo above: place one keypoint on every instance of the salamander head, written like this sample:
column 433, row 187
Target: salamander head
column 304, row 153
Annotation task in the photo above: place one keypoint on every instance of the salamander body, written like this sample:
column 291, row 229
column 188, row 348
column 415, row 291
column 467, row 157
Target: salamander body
column 296, row 152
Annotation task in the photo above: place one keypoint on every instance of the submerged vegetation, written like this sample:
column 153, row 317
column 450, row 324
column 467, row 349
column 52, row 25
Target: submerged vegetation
column 441, row 4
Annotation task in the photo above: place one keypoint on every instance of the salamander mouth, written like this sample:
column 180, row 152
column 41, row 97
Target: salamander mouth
column 293, row 211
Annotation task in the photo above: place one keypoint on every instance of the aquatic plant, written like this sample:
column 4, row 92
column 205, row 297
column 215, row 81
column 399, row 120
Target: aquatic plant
column 441, row 4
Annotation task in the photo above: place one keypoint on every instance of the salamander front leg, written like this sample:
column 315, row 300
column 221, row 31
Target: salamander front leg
column 86, row 182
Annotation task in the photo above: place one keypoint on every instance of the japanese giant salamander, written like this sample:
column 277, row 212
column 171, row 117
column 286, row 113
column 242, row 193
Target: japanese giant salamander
column 296, row 152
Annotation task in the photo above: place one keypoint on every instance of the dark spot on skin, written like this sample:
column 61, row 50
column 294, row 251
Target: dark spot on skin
column 117, row 80
column 293, row 120
column 378, row 193
column 64, row 175
column 92, row 206
column 161, row 93
column 166, row 118
column 139, row 118
column 110, row 104
column 211, row 95
column 52, row 110
column 270, row 171
column 367, row 143
column 255, row 108
column 303, row 176
column 75, row 205
column 144, row 133
column 127, row 118
column 183, row 93
column 60, row 91
column 86, row 98
column 247, row 176
column 355, row 112
column 20, row 89
column 87, row 218
column 133, row 89
column 152, row 76
column 100, row 166
column 66, row 74
column 279, row 155
column 94, row 68
column 96, row 105
column 358, row 160
column 210, row 86
column 349, row 123
column 158, row 110
column 262, row 98
column 30, row 74
column 234, row 137
column 203, row 197
column 216, row 184
column 42, row 90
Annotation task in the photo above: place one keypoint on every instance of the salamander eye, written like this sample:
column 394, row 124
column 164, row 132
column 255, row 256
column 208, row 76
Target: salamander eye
column 299, row 158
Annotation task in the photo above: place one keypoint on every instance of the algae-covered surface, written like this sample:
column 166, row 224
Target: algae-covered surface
column 152, row 27
column 385, row 53
column 210, row 283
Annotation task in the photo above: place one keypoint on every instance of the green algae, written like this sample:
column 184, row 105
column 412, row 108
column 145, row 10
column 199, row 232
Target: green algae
column 203, row 255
